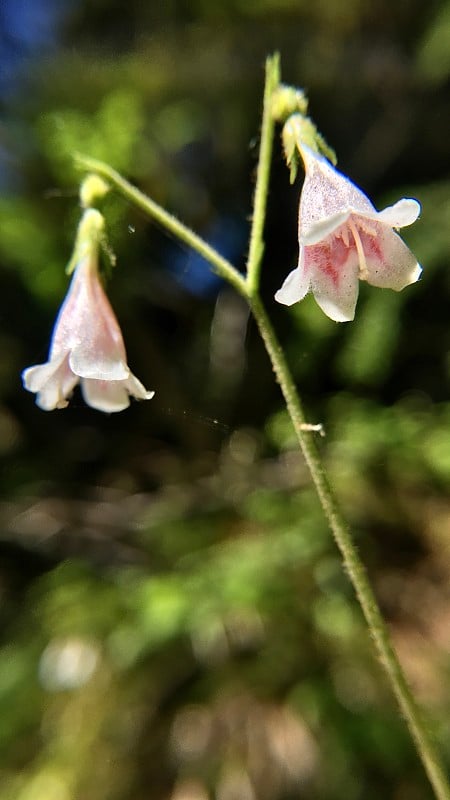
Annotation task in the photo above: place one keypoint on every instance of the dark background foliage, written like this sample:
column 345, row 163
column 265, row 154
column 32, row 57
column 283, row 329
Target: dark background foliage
column 175, row 619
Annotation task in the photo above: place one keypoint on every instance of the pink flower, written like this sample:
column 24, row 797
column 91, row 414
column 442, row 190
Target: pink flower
column 87, row 346
column 343, row 238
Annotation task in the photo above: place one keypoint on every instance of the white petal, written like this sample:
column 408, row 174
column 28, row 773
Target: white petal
column 294, row 288
column 136, row 389
column 334, row 283
column 87, row 328
column 402, row 213
column 339, row 308
column 53, row 382
column 34, row 378
column 87, row 362
column 51, row 397
column 108, row 396
column 55, row 393
column 390, row 263
column 321, row 229
column 326, row 194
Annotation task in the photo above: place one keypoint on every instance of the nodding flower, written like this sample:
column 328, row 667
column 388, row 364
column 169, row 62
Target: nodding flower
column 344, row 239
column 87, row 344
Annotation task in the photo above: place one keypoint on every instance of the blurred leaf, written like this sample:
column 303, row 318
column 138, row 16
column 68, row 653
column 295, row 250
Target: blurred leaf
column 433, row 58
column 27, row 240
column 111, row 134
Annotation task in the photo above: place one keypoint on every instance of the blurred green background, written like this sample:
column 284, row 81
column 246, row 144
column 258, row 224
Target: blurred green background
column 176, row 623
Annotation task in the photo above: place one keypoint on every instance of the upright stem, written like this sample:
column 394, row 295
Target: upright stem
column 256, row 248
column 352, row 562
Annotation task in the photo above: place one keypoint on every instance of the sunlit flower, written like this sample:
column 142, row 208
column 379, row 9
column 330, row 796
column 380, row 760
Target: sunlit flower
column 87, row 346
column 343, row 239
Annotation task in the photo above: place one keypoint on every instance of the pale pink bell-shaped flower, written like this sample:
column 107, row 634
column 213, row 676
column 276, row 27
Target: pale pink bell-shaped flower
column 87, row 346
column 343, row 239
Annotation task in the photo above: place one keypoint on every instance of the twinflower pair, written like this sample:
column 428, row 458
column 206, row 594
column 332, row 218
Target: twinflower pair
column 342, row 239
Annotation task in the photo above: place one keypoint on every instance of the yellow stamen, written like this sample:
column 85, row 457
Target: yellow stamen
column 344, row 235
column 365, row 226
column 363, row 271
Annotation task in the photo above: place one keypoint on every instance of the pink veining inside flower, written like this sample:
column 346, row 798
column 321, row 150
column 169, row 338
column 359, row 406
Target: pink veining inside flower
column 87, row 346
column 344, row 239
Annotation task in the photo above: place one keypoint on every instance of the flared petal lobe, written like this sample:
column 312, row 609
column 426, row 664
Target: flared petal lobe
column 334, row 278
column 330, row 271
column 52, row 382
column 295, row 287
column 404, row 212
column 390, row 263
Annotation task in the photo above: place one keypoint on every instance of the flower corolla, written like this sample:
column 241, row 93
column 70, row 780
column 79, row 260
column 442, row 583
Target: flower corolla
column 87, row 344
column 344, row 239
